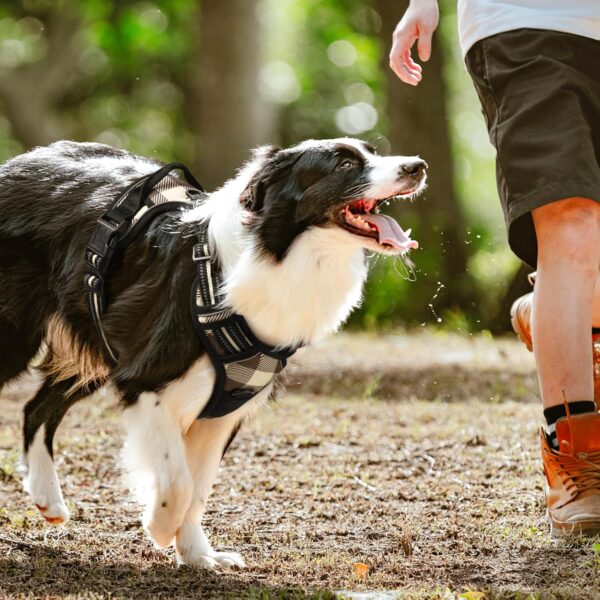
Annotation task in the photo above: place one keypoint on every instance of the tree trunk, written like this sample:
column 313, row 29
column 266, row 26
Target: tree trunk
column 227, row 114
column 418, row 124
column 29, row 94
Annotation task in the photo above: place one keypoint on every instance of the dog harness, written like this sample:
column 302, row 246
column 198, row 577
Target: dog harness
column 244, row 365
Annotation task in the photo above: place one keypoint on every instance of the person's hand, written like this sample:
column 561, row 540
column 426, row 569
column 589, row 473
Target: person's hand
column 417, row 25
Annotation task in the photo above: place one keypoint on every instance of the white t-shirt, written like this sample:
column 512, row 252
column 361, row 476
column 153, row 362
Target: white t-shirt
column 478, row 19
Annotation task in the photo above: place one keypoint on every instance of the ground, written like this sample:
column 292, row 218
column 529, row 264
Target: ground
column 415, row 455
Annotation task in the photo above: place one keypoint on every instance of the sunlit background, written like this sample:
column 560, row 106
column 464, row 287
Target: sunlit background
column 204, row 81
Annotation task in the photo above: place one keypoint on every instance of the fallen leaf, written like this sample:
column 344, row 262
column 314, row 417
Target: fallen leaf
column 361, row 570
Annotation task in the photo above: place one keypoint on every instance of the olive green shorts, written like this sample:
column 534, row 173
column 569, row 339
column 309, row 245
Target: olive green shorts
column 540, row 93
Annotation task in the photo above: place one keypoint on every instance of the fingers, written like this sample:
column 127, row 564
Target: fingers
column 411, row 64
column 424, row 44
column 414, row 70
column 417, row 25
column 406, row 69
column 401, row 61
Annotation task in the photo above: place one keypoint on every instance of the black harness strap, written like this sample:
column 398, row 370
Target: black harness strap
column 243, row 364
column 122, row 223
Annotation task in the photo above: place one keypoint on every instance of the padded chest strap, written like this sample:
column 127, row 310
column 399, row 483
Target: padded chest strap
column 145, row 199
column 243, row 364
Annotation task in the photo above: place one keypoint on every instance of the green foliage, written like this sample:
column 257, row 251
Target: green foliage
column 322, row 76
column 332, row 51
column 126, row 87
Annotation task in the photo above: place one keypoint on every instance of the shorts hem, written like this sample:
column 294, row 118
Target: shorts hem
column 525, row 204
column 521, row 230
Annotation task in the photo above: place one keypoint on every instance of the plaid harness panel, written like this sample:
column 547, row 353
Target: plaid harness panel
column 244, row 365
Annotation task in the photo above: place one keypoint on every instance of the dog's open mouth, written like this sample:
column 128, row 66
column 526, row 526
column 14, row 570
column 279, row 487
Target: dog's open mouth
column 362, row 217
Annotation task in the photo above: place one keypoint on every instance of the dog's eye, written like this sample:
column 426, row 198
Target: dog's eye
column 346, row 164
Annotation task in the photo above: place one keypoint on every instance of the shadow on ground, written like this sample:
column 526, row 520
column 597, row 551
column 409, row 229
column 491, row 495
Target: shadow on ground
column 59, row 574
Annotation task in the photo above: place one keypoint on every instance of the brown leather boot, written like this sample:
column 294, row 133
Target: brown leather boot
column 573, row 476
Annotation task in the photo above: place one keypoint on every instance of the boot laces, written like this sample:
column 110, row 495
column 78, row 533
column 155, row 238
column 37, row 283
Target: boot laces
column 579, row 472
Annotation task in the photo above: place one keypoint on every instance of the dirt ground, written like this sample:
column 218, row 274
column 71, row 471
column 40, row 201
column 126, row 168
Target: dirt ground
column 413, row 454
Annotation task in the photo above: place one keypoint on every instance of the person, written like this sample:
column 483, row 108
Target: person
column 536, row 68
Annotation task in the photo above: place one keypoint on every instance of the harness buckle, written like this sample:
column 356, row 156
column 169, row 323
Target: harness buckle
column 198, row 253
column 112, row 227
column 105, row 233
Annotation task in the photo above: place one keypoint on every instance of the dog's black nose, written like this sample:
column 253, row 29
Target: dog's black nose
column 413, row 168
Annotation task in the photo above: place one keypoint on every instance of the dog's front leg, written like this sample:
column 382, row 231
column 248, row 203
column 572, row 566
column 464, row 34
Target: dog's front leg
column 205, row 444
column 154, row 455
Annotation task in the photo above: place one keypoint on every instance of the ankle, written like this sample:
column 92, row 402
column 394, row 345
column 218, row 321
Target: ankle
column 554, row 413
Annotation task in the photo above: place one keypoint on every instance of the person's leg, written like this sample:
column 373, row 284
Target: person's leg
column 568, row 237
column 568, row 234
column 538, row 165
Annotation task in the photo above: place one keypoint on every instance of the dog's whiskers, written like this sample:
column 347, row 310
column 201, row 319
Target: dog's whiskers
column 356, row 190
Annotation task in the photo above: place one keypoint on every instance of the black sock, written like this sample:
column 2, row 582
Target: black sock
column 554, row 413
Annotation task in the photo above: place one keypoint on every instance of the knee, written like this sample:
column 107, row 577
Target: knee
column 569, row 230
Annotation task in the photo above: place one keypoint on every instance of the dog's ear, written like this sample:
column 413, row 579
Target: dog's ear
column 274, row 168
column 264, row 153
column 252, row 197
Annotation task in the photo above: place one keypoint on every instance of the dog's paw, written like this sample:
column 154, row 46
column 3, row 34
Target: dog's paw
column 213, row 560
column 161, row 535
column 194, row 550
column 55, row 513
column 47, row 498
column 41, row 482
column 163, row 518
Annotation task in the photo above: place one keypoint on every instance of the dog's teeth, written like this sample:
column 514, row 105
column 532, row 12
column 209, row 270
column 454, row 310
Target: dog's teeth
column 356, row 220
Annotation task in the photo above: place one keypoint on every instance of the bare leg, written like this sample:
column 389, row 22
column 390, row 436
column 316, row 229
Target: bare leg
column 205, row 443
column 568, row 233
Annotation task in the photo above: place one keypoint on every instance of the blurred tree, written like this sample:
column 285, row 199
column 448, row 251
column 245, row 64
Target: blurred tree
column 322, row 68
column 96, row 70
column 418, row 124
column 33, row 75
column 227, row 114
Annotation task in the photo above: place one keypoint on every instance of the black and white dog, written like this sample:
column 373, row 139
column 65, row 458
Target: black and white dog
column 290, row 232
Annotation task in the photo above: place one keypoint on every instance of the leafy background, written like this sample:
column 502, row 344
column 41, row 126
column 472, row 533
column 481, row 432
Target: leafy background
column 203, row 82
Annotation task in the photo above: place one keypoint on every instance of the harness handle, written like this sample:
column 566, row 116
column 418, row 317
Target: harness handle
column 153, row 179
column 114, row 230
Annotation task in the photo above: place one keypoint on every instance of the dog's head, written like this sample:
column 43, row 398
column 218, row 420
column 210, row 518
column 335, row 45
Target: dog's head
column 337, row 184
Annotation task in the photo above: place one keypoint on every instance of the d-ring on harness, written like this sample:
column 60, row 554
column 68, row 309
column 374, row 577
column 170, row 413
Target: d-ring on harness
column 244, row 365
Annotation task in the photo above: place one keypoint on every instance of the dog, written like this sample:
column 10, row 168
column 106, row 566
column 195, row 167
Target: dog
column 291, row 232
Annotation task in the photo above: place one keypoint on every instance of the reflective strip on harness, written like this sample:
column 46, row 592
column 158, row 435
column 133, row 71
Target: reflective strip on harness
column 244, row 365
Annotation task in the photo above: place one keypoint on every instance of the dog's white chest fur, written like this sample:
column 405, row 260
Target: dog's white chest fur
column 304, row 297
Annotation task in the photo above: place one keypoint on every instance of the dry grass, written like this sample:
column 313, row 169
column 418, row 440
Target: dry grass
column 436, row 497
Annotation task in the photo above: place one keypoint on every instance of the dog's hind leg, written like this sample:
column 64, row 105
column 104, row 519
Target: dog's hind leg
column 16, row 350
column 43, row 414
column 154, row 456
column 205, row 442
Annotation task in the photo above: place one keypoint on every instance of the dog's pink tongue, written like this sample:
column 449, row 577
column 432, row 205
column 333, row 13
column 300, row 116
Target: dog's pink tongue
column 390, row 232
